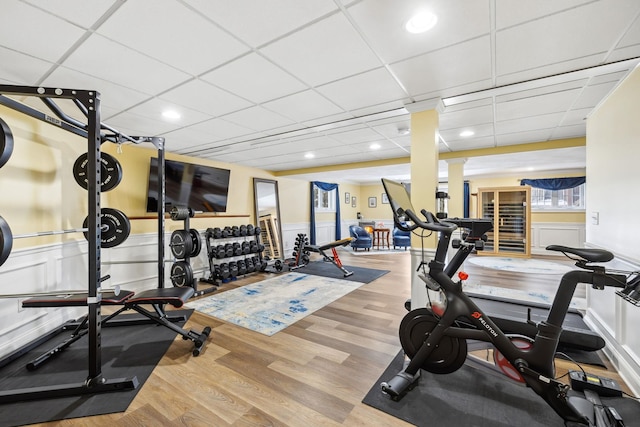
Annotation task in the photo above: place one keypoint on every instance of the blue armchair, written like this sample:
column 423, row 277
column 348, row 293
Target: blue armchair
column 401, row 238
column 361, row 239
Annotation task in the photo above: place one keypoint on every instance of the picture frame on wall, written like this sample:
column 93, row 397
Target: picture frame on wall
column 373, row 202
column 353, row 201
column 385, row 199
column 347, row 198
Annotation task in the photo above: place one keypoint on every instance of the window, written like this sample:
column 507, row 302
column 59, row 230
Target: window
column 324, row 201
column 569, row 199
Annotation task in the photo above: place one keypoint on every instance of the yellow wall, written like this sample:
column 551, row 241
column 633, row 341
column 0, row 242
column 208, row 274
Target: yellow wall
column 381, row 211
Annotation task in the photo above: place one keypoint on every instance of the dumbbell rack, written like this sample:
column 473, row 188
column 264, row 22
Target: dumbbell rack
column 238, row 252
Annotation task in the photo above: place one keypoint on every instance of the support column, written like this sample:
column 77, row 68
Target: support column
column 424, row 182
column 455, row 205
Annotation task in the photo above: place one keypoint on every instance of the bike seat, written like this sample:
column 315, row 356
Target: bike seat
column 588, row 254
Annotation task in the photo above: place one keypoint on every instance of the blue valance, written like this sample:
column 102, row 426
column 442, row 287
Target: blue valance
column 326, row 187
column 555, row 183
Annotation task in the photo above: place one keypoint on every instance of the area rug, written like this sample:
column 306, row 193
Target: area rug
column 520, row 265
column 127, row 351
column 520, row 295
column 271, row 305
column 474, row 397
column 327, row 269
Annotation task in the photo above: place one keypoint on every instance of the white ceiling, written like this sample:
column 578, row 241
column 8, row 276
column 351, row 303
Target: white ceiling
column 262, row 82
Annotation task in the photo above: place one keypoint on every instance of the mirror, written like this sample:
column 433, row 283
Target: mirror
column 267, row 206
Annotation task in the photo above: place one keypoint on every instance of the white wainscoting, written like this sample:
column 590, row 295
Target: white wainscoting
column 544, row 234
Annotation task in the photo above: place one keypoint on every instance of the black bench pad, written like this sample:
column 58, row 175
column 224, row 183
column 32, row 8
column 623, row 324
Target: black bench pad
column 73, row 300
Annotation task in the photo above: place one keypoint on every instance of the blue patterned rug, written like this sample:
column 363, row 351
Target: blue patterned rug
column 271, row 305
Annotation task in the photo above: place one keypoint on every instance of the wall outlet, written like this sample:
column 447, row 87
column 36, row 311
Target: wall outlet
column 595, row 218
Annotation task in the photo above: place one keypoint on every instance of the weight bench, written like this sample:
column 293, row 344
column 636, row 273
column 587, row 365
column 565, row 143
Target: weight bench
column 157, row 298
column 335, row 259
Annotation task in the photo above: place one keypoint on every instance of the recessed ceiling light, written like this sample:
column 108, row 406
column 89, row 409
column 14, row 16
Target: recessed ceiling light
column 466, row 133
column 421, row 22
column 171, row 114
column 309, row 156
column 375, row 146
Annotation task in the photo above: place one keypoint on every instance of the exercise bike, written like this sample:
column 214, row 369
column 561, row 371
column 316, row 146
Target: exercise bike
column 435, row 338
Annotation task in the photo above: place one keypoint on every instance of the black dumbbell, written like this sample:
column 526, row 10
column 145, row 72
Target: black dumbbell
column 235, row 231
column 237, row 249
column 233, row 269
column 246, row 247
column 225, row 272
column 257, row 231
column 242, row 267
column 220, row 251
column 226, row 232
column 250, row 230
column 263, row 265
column 217, row 233
column 243, row 230
column 249, row 263
column 228, row 248
column 253, row 246
column 217, row 274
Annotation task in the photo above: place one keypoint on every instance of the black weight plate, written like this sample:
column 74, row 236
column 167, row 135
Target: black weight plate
column 181, row 274
column 197, row 243
column 110, row 171
column 181, row 244
column 116, row 227
column 6, row 143
column 6, row 240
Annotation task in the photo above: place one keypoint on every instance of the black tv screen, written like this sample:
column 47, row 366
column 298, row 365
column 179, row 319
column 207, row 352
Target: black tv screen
column 202, row 188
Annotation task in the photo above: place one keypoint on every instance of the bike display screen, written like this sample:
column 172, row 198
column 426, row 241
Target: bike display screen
column 398, row 198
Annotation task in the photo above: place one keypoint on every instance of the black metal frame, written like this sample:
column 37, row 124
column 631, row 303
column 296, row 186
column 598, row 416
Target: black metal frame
column 88, row 102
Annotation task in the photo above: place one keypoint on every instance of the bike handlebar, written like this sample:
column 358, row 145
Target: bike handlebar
column 432, row 223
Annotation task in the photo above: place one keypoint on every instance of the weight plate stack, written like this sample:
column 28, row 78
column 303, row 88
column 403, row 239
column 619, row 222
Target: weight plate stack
column 181, row 244
column 196, row 241
column 181, row 274
column 6, row 143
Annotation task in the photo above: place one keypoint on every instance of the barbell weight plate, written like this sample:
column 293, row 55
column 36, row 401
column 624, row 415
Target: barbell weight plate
column 181, row 244
column 6, row 143
column 6, row 240
column 197, row 243
column 116, row 227
column 181, row 274
column 110, row 171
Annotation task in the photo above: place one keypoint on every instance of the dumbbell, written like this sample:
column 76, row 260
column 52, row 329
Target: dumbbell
column 233, row 269
column 250, row 230
column 220, row 251
column 243, row 230
column 225, row 272
column 226, row 232
column 246, row 247
column 217, row 233
column 249, row 263
column 217, row 274
column 253, row 246
column 263, row 265
column 237, row 249
column 257, row 231
column 242, row 267
column 235, row 231
column 228, row 249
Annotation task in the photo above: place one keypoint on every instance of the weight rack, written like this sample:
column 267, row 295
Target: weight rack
column 88, row 102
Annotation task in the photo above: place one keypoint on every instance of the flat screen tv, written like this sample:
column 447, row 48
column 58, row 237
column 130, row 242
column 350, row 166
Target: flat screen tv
column 202, row 188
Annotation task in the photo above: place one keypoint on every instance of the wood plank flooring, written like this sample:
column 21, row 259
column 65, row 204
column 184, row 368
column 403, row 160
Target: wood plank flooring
column 314, row 373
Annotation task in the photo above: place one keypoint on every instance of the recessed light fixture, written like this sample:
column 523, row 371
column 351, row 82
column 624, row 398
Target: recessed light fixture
column 467, row 133
column 309, row 156
column 375, row 146
column 420, row 22
column 171, row 115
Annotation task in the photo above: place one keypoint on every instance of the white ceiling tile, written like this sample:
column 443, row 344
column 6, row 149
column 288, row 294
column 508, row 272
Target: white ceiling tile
column 510, row 13
column 219, row 129
column 80, row 12
column 563, row 36
column 127, row 67
column 574, row 131
column 480, row 130
column 31, row 31
column 355, row 136
column 459, row 65
column 475, row 143
column 593, row 94
column 536, row 105
column 183, row 139
column 624, row 53
column 22, row 69
column 205, row 98
column 254, row 78
column 112, row 96
column 325, row 51
column 258, row 22
column 383, row 23
column 525, row 124
column 154, row 108
column 303, row 106
column 575, row 116
column 466, row 117
column 173, row 34
column 258, row 119
column 133, row 124
column 356, row 92
column 329, row 120
column 524, row 137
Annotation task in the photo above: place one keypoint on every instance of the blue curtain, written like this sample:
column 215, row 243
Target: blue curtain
column 326, row 187
column 555, row 183
column 466, row 199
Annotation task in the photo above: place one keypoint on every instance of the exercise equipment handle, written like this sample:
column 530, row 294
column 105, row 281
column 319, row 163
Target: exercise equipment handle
column 432, row 224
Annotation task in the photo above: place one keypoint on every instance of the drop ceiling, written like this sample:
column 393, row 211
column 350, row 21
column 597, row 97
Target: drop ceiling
column 262, row 83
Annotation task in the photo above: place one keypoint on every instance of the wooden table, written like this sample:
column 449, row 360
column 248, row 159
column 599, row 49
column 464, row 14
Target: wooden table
column 381, row 234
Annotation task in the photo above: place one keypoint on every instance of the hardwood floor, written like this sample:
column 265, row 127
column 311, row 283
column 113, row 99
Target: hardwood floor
column 314, row 373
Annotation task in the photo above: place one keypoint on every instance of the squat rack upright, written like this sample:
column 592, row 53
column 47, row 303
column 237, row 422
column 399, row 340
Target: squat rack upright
column 88, row 102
